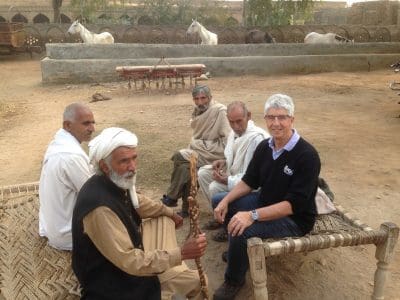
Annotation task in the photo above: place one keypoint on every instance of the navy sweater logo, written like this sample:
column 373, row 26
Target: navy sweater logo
column 287, row 170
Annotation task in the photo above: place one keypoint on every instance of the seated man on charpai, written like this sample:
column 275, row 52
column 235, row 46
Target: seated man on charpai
column 124, row 244
column 285, row 167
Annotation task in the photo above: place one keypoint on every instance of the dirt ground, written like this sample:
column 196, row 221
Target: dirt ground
column 351, row 119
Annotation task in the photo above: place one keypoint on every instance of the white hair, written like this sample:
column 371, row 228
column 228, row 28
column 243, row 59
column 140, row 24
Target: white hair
column 280, row 101
column 96, row 166
column 71, row 111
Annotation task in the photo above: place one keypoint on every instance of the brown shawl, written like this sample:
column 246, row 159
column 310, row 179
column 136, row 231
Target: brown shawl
column 210, row 132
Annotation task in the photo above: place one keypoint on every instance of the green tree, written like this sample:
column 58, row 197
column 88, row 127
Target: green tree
column 279, row 12
column 87, row 8
column 161, row 11
column 184, row 11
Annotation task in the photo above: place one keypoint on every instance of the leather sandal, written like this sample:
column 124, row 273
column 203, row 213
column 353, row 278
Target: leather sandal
column 212, row 225
column 221, row 236
column 168, row 201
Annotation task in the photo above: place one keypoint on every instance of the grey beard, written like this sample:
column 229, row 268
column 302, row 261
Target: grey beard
column 123, row 181
column 198, row 110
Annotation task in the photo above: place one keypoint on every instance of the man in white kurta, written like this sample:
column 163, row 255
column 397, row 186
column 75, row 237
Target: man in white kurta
column 65, row 169
column 245, row 136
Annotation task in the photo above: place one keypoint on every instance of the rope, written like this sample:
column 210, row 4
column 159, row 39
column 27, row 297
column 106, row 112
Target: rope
column 29, row 267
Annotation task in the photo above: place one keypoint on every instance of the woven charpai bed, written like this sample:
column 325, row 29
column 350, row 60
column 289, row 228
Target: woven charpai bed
column 337, row 229
column 29, row 268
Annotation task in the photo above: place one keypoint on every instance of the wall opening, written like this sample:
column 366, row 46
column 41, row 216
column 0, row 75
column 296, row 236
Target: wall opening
column 19, row 18
column 41, row 18
column 65, row 19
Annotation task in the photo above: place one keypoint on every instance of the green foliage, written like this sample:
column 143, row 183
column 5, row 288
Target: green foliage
column 231, row 22
column 86, row 8
column 161, row 12
column 280, row 12
column 258, row 12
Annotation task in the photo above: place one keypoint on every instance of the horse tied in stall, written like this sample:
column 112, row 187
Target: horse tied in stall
column 326, row 38
column 207, row 37
column 256, row 36
column 90, row 37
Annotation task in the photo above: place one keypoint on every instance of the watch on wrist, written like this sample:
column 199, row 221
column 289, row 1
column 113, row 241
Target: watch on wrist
column 254, row 215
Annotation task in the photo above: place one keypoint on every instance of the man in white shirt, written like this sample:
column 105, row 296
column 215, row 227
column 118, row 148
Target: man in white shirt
column 223, row 175
column 65, row 169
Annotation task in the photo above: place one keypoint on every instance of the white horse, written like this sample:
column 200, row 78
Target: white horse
column 90, row 37
column 326, row 38
column 207, row 37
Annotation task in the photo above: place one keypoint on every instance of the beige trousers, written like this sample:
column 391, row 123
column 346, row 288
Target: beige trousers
column 208, row 186
column 159, row 233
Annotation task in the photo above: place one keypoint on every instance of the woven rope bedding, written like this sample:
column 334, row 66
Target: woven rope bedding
column 332, row 230
column 337, row 229
column 29, row 268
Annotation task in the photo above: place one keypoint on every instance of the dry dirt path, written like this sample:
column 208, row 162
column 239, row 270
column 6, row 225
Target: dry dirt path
column 351, row 118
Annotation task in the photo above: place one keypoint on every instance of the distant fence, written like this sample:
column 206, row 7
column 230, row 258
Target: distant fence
column 57, row 33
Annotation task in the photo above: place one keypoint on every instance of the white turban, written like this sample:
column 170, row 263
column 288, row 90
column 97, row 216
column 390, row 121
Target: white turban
column 109, row 140
column 106, row 142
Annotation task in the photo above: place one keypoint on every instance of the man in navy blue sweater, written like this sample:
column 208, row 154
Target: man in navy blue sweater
column 285, row 167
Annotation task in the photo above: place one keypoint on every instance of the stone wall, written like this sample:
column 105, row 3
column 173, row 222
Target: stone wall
column 78, row 63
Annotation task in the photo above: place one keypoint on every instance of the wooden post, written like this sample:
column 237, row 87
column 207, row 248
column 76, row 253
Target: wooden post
column 258, row 270
column 384, row 255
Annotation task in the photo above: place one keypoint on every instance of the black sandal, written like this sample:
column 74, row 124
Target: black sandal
column 221, row 236
column 168, row 201
column 212, row 225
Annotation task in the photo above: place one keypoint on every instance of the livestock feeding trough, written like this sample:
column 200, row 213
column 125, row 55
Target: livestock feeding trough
column 164, row 76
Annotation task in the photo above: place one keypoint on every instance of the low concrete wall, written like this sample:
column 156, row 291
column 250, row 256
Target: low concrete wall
column 132, row 51
column 79, row 63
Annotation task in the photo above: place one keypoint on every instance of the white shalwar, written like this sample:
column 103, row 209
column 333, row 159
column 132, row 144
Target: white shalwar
column 238, row 153
column 65, row 169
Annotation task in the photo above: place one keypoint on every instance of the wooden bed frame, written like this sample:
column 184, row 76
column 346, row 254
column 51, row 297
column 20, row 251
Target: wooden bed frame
column 338, row 229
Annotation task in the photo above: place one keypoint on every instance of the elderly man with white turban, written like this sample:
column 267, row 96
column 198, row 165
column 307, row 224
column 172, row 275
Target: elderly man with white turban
column 125, row 244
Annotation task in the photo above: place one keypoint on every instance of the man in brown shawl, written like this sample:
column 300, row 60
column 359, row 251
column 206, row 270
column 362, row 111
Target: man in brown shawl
column 210, row 131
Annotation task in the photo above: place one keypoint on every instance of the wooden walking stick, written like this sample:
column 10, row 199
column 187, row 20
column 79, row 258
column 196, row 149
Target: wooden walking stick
column 194, row 220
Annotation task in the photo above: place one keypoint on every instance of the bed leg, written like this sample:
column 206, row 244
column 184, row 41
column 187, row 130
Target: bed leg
column 258, row 270
column 384, row 255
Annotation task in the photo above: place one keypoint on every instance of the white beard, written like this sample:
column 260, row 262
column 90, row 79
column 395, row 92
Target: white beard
column 125, row 181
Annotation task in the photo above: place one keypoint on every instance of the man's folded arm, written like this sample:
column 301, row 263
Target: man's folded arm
column 111, row 238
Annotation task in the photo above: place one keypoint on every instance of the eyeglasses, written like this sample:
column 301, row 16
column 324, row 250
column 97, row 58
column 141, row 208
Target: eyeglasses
column 280, row 118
